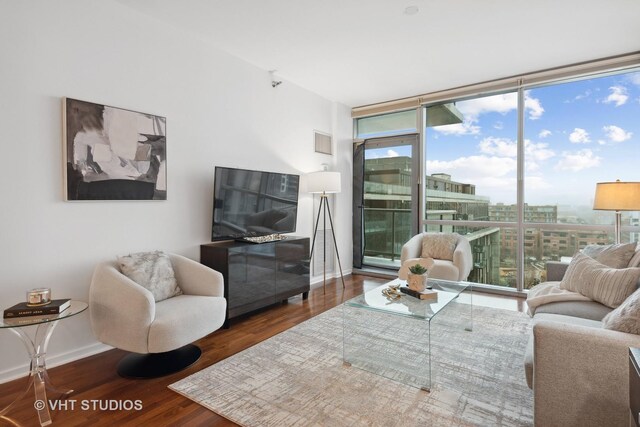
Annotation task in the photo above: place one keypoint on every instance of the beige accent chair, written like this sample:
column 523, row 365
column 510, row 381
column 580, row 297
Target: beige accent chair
column 125, row 315
column 457, row 269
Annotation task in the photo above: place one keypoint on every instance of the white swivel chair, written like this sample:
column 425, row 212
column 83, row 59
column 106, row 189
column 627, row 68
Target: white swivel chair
column 455, row 264
column 125, row 315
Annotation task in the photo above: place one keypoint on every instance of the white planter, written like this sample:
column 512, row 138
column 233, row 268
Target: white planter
column 417, row 282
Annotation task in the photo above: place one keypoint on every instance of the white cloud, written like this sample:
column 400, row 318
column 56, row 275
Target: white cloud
column 579, row 136
column 472, row 109
column 466, row 128
column 469, row 169
column 502, row 147
column 491, row 175
column 616, row 134
column 498, row 125
column 544, row 133
column 534, row 107
column 618, row 96
column 392, row 153
column 537, row 151
column 634, row 78
column 585, row 94
column 582, row 95
column 578, row 160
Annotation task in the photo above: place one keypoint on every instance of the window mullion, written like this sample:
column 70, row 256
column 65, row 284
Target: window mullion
column 520, row 190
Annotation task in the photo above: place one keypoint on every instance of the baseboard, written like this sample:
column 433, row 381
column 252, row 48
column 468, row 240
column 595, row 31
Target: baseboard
column 54, row 360
column 316, row 282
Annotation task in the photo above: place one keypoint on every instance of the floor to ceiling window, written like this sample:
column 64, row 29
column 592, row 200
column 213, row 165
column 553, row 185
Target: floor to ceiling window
column 520, row 182
column 588, row 132
column 575, row 134
column 471, row 176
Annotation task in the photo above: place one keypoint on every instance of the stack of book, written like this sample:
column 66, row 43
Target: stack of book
column 23, row 309
column 427, row 294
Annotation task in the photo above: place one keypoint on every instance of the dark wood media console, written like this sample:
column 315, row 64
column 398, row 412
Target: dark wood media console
column 259, row 275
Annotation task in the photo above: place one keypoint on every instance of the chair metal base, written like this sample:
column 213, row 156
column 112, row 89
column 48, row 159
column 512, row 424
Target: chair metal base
column 154, row 365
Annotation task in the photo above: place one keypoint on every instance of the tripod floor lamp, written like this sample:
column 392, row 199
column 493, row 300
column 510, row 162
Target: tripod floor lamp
column 324, row 183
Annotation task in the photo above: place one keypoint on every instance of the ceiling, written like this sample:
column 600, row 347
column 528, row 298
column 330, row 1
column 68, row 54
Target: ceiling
column 360, row 52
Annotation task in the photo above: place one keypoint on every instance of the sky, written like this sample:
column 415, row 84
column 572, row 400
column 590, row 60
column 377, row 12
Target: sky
column 576, row 134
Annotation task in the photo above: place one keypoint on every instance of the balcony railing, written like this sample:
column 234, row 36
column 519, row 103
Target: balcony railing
column 385, row 231
column 494, row 244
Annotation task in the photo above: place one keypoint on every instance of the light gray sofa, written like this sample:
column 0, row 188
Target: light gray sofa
column 579, row 371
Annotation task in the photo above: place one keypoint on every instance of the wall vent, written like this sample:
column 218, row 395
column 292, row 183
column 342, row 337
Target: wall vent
column 322, row 142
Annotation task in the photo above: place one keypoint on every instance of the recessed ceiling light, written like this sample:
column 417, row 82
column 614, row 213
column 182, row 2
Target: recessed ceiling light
column 411, row 10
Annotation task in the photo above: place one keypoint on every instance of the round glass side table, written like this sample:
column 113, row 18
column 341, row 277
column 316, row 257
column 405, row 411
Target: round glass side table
column 37, row 349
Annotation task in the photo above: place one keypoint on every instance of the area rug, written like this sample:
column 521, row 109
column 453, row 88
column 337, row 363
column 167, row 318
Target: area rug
column 297, row 378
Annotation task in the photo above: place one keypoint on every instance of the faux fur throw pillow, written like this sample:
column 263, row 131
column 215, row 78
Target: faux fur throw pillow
column 625, row 318
column 152, row 271
column 439, row 245
column 614, row 256
column 608, row 286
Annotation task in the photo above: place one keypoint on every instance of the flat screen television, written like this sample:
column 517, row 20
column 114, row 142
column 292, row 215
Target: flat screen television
column 250, row 203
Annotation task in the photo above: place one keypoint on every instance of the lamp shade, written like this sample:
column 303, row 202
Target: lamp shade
column 323, row 182
column 617, row 196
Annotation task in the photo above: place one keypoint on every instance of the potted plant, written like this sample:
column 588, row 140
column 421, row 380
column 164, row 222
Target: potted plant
column 417, row 278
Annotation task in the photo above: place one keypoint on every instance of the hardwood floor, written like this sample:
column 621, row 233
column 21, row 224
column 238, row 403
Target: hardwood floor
column 95, row 379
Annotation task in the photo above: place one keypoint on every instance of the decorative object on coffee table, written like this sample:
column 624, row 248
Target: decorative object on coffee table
column 427, row 294
column 39, row 296
column 417, row 278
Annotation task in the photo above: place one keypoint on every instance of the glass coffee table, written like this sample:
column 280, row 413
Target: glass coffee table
column 391, row 337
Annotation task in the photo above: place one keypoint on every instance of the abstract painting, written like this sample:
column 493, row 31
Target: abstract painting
column 112, row 153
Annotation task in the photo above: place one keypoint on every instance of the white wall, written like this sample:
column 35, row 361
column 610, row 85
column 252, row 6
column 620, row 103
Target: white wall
column 220, row 111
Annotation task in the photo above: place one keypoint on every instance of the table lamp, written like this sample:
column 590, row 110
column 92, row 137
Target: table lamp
column 617, row 196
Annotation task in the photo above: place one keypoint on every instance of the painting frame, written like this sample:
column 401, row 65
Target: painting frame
column 112, row 153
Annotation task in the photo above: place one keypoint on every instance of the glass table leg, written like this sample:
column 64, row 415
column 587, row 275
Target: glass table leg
column 49, row 386
column 470, row 326
column 38, row 376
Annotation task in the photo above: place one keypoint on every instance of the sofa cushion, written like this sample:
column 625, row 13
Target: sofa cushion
column 635, row 260
column 609, row 286
column 625, row 318
column 153, row 271
column 550, row 292
column 439, row 245
column 585, row 309
column 528, row 356
column 614, row 256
